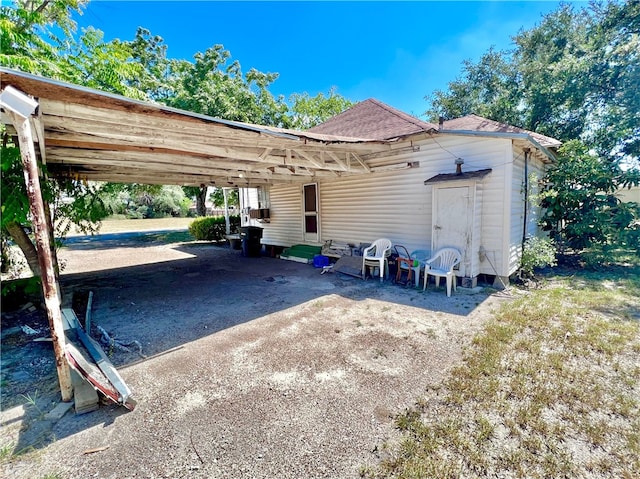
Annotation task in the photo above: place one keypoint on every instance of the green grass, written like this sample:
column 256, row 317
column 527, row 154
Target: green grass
column 6, row 452
column 550, row 388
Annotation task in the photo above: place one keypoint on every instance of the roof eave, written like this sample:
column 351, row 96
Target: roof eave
column 498, row 134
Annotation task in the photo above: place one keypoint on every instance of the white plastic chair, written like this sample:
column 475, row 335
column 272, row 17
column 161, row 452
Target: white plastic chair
column 441, row 265
column 376, row 255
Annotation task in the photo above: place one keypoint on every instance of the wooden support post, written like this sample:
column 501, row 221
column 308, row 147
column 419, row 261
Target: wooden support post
column 50, row 286
column 226, row 211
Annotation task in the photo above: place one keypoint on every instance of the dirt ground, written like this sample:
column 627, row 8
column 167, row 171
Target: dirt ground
column 253, row 367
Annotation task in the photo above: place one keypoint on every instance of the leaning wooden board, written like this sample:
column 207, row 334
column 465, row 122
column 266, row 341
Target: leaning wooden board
column 87, row 357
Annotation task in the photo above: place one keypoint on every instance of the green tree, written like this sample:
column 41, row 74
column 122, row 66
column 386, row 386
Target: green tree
column 573, row 77
column 307, row 111
column 199, row 193
column 581, row 208
column 105, row 66
column 29, row 45
column 217, row 197
column 488, row 88
column 215, row 86
column 72, row 202
column 26, row 40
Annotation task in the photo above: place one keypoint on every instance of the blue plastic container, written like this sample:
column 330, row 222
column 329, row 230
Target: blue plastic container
column 320, row 261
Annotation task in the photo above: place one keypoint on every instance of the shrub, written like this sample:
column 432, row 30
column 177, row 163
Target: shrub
column 212, row 228
column 537, row 253
column 17, row 292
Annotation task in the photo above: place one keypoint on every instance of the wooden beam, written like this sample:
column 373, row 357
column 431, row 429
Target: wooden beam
column 50, row 287
column 359, row 160
column 38, row 127
column 249, row 156
column 264, row 154
column 76, row 117
column 338, row 161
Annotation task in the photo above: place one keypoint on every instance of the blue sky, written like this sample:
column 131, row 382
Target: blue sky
column 397, row 52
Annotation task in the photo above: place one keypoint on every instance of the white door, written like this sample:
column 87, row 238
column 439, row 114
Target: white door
column 452, row 219
column 311, row 220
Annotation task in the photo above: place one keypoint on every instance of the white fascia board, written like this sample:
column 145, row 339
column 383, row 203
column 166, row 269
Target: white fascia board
column 498, row 134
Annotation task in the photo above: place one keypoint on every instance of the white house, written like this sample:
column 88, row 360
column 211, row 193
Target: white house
column 469, row 183
column 367, row 173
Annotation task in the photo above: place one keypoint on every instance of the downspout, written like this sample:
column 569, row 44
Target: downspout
column 527, row 151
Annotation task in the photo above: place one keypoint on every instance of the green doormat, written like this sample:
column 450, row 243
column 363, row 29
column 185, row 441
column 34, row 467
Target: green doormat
column 302, row 253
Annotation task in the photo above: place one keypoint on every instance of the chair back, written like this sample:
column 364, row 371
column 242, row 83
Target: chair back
column 446, row 258
column 378, row 249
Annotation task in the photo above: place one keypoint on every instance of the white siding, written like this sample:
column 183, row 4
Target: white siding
column 285, row 225
column 397, row 204
column 629, row 195
column 248, row 199
column 536, row 169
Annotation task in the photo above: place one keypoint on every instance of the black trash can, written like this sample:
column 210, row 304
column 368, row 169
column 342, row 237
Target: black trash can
column 251, row 236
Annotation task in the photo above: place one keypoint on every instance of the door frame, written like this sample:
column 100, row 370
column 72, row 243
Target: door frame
column 466, row 266
column 314, row 213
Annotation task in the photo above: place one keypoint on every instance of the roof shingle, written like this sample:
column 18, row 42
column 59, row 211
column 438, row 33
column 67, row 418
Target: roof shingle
column 374, row 120
column 478, row 123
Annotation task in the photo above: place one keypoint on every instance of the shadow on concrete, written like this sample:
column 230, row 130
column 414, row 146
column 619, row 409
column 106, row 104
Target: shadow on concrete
column 166, row 304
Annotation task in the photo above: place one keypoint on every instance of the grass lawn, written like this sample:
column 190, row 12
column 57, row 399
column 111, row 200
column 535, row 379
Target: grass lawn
column 129, row 225
column 551, row 388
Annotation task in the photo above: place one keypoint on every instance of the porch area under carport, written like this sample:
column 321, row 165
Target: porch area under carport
column 89, row 135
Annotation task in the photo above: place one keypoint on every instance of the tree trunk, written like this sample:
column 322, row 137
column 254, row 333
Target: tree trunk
column 201, row 197
column 23, row 241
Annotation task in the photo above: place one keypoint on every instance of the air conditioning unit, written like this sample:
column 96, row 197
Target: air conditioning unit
column 259, row 213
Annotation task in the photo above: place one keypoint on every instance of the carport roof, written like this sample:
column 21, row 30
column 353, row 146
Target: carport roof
column 92, row 135
column 88, row 134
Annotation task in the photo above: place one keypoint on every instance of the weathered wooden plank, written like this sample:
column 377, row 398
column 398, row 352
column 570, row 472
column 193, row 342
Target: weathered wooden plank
column 50, row 285
column 122, row 143
column 209, row 133
column 209, row 162
column 99, row 357
column 144, row 177
column 175, row 165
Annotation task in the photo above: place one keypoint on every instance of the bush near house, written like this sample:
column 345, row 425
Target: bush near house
column 537, row 253
column 213, row 228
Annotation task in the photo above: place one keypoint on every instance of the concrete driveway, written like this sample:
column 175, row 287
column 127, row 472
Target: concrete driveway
column 255, row 368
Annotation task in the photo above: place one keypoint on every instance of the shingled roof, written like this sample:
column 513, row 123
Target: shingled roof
column 478, row 123
column 373, row 120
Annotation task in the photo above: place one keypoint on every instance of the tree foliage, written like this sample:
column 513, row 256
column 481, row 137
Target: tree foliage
column 212, row 84
column 217, row 197
column 581, row 207
column 573, row 77
column 307, row 111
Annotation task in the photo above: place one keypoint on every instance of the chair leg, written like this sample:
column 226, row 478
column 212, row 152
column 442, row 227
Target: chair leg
column 449, row 284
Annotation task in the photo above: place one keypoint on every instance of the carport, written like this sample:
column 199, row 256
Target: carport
column 85, row 134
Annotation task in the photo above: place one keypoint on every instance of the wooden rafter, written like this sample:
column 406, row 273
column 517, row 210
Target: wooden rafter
column 101, row 136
